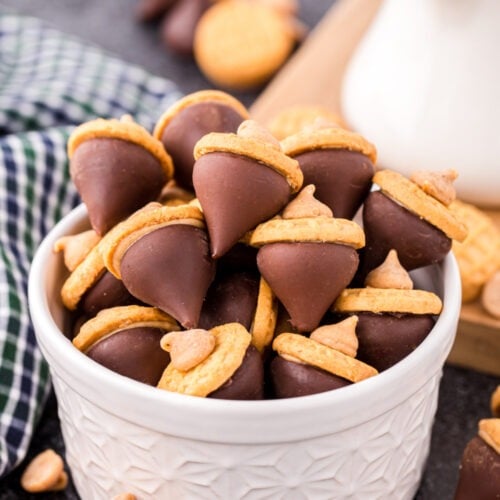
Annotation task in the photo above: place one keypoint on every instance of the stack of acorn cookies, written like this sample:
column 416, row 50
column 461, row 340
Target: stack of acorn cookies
column 224, row 263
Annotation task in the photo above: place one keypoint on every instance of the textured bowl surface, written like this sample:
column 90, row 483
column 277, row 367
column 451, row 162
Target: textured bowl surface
column 368, row 440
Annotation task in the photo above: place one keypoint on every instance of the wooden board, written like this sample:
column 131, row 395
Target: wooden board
column 313, row 76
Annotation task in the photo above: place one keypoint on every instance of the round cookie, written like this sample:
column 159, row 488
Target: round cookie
column 117, row 167
column 189, row 119
column 231, row 370
column 240, row 45
column 127, row 341
column 240, row 181
column 338, row 162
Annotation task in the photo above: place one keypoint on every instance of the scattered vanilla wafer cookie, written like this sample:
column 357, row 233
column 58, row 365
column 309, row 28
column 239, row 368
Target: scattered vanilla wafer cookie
column 45, row 473
column 231, row 370
column 242, row 44
column 107, row 153
column 478, row 256
column 293, row 119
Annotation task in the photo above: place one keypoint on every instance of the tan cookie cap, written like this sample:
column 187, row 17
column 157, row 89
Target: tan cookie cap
column 109, row 321
column 328, row 138
column 389, row 300
column 412, row 197
column 254, row 142
column 153, row 216
column 489, row 431
column 313, row 353
column 201, row 96
column 265, row 317
column 231, row 343
column 126, row 130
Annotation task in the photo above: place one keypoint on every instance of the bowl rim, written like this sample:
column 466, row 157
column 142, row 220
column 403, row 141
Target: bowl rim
column 237, row 421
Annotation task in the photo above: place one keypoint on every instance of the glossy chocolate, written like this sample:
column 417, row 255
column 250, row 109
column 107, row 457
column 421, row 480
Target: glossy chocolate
column 342, row 178
column 106, row 292
column 291, row 379
column 307, row 277
column 232, row 298
column 180, row 23
column 236, row 193
column 115, row 178
column 247, row 382
column 134, row 353
column 385, row 339
column 479, row 477
column 188, row 127
column 170, row 268
column 388, row 225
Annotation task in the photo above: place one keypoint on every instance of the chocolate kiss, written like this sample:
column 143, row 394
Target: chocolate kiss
column 479, row 477
column 188, row 127
column 236, row 193
column 170, row 268
column 292, row 379
column 107, row 292
column 232, row 298
column 342, row 178
column 307, row 277
column 388, row 225
column 247, row 382
column 385, row 339
column 115, row 178
column 134, row 353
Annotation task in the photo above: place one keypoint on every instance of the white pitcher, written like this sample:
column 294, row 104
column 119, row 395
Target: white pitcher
column 424, row 86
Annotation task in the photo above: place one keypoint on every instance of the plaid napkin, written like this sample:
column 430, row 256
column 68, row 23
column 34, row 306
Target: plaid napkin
column 48, row 83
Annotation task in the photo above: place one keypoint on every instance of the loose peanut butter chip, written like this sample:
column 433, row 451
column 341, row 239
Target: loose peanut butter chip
column 306, row 205
column 189, row 348
column 125, row 496
column 253, row 130
column 44, row 473
column 76, row 247
column 490, row 297
column 495, row 402
column 489, row 431
column 390, row 274
column 340, row 336
column 439, row 185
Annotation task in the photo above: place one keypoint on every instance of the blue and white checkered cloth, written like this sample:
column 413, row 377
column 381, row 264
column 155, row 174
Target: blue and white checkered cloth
column 49, row 82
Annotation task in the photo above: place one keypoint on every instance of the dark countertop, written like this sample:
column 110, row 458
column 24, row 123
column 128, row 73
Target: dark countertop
column 464, row 395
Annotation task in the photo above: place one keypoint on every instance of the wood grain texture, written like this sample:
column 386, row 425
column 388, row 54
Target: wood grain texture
column 313, row 76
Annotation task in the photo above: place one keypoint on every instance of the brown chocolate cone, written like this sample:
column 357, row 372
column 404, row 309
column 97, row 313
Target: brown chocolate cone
column 134, row 353
column 385, row 339
column 388, row 226
column 236, row 193
column 115, row 178
column 479, row 472
column 342, row 178
column 291, row 379
column 188, row 127
column 307, row 277
column 170, row 268
column 247, row 382
column 232, row 298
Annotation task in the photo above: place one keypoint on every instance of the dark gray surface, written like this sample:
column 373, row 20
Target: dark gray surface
column 464, row 395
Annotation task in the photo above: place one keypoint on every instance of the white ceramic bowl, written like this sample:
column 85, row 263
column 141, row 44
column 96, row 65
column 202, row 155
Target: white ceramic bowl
column 368, row 440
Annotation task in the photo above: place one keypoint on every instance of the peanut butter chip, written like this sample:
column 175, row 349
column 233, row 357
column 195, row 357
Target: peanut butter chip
column 76, row 247
column 44, row 473
column 189, row 348
column 306, row 205
column 390, row 274
column 490, row 297
column 495, row 402
column 439, row 185
column 340, row 336
column 489, row 431
column 250, row 129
